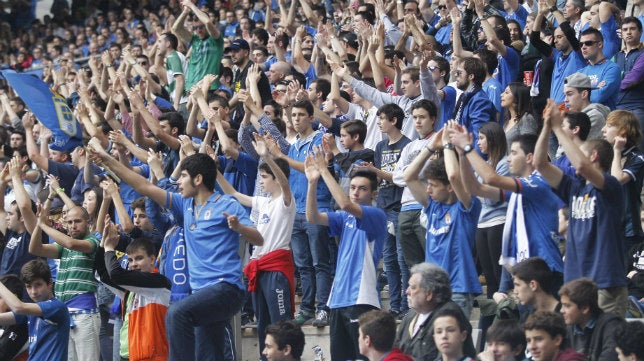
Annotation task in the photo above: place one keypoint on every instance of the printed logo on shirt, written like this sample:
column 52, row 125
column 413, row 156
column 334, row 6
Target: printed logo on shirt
column 206, row 216
column 264, row 219
column 438, row 231
column 583, row 207
column 448, row 219
column 13, row 242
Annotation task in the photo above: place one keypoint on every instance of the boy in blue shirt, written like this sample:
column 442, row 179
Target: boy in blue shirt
column 452, row 215
column 48, row 318
column 362, row 229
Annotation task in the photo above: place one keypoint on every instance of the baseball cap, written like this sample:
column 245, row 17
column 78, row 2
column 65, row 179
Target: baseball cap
column 238, row 44
column 578, row 80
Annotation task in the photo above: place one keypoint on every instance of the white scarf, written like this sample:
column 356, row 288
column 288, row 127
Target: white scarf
column 522, row 249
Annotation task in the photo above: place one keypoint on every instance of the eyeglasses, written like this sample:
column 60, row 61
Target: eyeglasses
column 432, row 68
column 442, row 7
column 588, row 42
column 199, row 27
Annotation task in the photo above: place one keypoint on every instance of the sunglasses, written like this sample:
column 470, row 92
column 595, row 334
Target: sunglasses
column 199, row 27
column 442, row 7
column 588, row 42
column 432, row 68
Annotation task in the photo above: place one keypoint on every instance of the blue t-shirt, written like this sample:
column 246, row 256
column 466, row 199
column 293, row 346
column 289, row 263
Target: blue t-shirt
column 211, row 246
column 49, row 333
column 540, row 206
column 447, row 105
column 297, row 180
column 607, row 74
column 450, row 242
column 240, row 173
column 15, row 253
column 359, row 252
column 493, row 89
column 508, row 69
column 595, row 246
column 612, row 43
column 564, row 66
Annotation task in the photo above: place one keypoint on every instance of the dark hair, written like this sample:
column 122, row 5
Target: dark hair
column 380, row 326
column 322, row 86
column 175, row 119
column 34, row 270
column 413, row 71
column 634, row 20
column 371, row 176
column 391, row 111
column 457, row 314
column 475, row 66
column 172, row 39
column 138, row 203
column 527, row 142
column 426, row 104
column 435, row 170
column 534, row 269
column 13, row 284
column 497, row 145
column 287, row 332
column 300, row 77
column 433, row 279
column 581, row 120
column 551, row 322
column 592, row 31
column 508, row 331
column 261, row 35
column 355, row 126
column 99, row 200
column 141, row 243
column 604, row 151
column 489, row 58
column 522, row 99
column 628, row 337
column 200, row 163
column 262, row 49
column 443, row 65
column 368, row 16
column 583, row 293
column 214, row 97
column 281, row 163
column 304, row 104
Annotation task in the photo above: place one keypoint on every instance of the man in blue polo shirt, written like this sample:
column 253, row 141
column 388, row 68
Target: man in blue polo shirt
column 362, row 229
column 212, row 225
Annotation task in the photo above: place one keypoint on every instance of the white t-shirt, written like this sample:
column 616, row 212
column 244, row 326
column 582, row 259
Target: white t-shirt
column 274, row 222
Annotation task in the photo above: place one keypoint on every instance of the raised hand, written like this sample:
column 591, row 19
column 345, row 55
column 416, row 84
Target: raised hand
column 310, row 170
column 260, row 145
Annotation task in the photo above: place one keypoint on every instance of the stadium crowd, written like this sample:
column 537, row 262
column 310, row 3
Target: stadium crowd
column 208, row 158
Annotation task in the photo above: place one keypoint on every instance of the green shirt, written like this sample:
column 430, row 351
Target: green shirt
column 76, row 271
column 205, row 58
column 175, row 64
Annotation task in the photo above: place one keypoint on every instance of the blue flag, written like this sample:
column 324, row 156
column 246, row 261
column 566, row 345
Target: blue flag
column 50, row 108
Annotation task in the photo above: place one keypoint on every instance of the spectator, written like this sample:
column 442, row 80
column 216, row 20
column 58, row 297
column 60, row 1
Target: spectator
column 428, row 293
column 284, row 341
column 545, row 332
column 596, row 202
column 590, row 330
column 377, row 332
column 603, row 73
column 577, row 91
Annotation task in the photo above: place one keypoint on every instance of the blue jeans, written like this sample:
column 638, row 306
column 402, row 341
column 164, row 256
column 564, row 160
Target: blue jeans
column 310, row 245
column 465, row 301
column 196, row 325
column 397, row 271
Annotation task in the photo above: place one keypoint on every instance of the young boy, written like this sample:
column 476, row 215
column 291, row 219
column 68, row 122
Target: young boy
column 505, row 341
column 452, row 214
column 545, row 332
column 362, row 229
column 270, row 272
column 591, row 331
column 352, row 136
column 143, row 335
column 450, row 332
column 377, row 333
column 48, row 318
column 532, row 280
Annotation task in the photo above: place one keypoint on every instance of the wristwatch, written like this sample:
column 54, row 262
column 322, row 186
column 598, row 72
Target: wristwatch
column 448, row 146
column 468, row 148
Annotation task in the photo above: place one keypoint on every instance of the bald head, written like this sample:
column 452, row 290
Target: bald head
column 278, row 71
